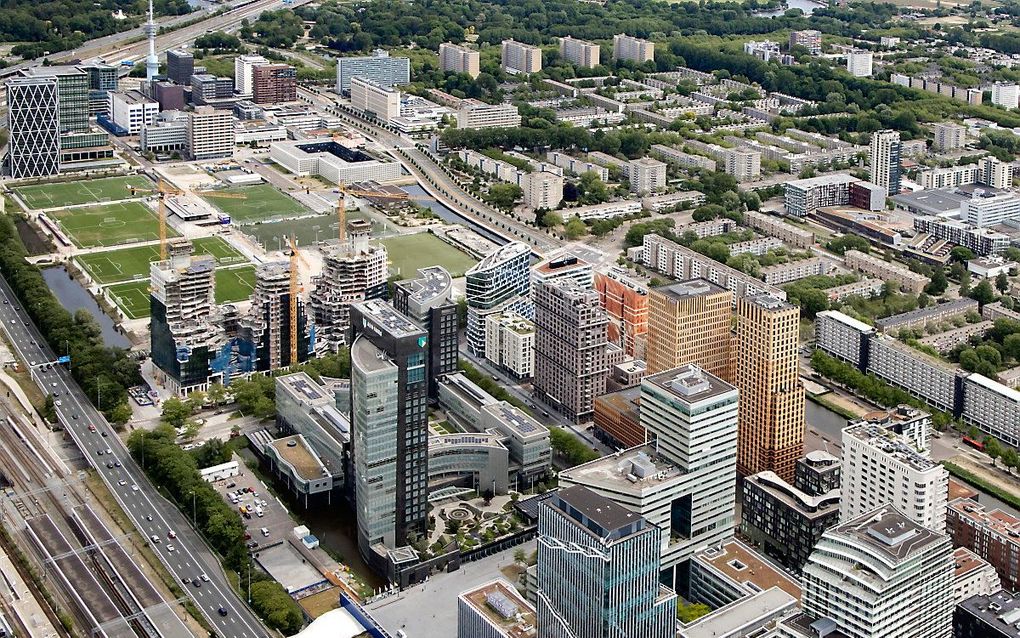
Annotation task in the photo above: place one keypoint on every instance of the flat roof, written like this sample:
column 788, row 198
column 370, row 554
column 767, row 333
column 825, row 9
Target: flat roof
column 367, row 356
column 886, row 531
column 959, row 489
column 955, row 306
column 302, row 386
column 296, row 451
column 387, row 317
column 616, row 471
column 689, row 384
column 742, row 615
column 690, row 288
column 847, row 320
column 433, row 282
column 626, row 401
column 516, row 420
column 601, row 510
column 999, row 521
column 893, row 445
column 823, row 180
column 933, row 200
column 743, row 565
column 499, row 603
column 966, row 561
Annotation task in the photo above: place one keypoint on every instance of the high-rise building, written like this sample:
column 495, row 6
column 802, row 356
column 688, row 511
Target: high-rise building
column 379, row 67
column 995, row 173
column 809, row 39
column 1005, row 95
column 771, row 394
column 949, row 136
column 633, row 49
column 579, row 52
column 132, row 111
column 626, row 304
column 882, row 574
column 355, row 270
column 571, row 366
column 210, row 133
column 475, row 114
column 375, row 100
column 33, row 121
column 72, row 95
column 429, row 301
column 884, row 158
column 244, row 66
column 495, row 610
column 860, row 63
column 456, row 58
column 180, row 66
column 268, row 323
column 510, row 343
column 743, row 165
column 273, row 83
column 389, row 429
column 646, row 175
column 598, row 570
column 563, row 265
column 517, row 57
column 151, row 61
column 206, row 88
column 103, row 80
column 689, row 323
column 500, row 282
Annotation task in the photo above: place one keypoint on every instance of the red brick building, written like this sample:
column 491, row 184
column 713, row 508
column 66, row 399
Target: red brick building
column 993, row 535
column 274, row 83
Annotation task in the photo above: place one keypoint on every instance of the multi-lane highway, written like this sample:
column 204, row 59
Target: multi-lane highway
column 180, row 548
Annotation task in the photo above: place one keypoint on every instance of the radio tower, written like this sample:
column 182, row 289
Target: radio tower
column 151, row 61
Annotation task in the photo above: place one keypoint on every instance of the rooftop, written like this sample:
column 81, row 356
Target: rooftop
column 634, row 470
column 744, row 566
column 625, row 401
column 823, row 180
column 956, row 306
column 934, row 201
column 386, row 317
column 499, row 602
column 435, row 281
column 516, row 420
column 768, row 302
column 690, row 288
column 744, row 615
column 561, row 264
column 808, row 505
column 887, row 532
column 296, row 451
column 1001, row 611
column 891, row 444
column 998, row 521
column 966, row 561
column 808, row 626
column 900, row 415
column 302, row 387
column 368, row 357
column 504, row 253
column 605, row 513
column 689, row 384
column 958, row 489
column 846, row 320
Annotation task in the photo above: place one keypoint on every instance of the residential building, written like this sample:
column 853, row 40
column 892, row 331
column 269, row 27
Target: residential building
column 268, row 324
column 598, row 570
column 771, row 394
column 881, row 574
column 475, row 114
column 510, row 343
column 389, row 429
column 777, row 227
column 428, row 300
column 274, row 83
column 132, row 111
column 859, row 63
column 983, row 241
column 564, row 264
column 743, row 165
column 884, row 158
column 646, row 175
column 457, row 58
column 973, row 576
column 579, row 52
column 608, row 210
column 33, row 123
column 809, row 39
column 517, row 57
column 374, row 100
column 907, row 279
column 843, row 337
column 626, row 304
column 681, row 158
column 1005, row 95
column 984, row 209
column 675, row 201
column 689, row 323
column 950, row 176
column 995, row 173
column 913, row 424
column 542, row 190
column 500, row 282
column 780, row 274
column 787, row 521
column 495, row 610
column 992, row 407
column 378, row 67
column 244, row 66
column 570, row 347
column 881, row 468
column 992, row 534
column 730, row 572
column 180, row 66
column 987, row 616
column 949, row 136
column 632, row 49
column 210, row 133
column 576, row 165
column 804, row 196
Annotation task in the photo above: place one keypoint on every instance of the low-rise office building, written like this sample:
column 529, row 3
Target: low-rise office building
column 987, row 616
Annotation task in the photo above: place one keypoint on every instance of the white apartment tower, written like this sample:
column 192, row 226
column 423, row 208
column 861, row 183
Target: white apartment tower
column 456, row 58
column 995, row 173
column 884, row 158
column 244, row 65
column 517, row 57
column 743, row 165
column 626, row 47
column 883, row 468
column 949, row 136
column 860, row 63
column 1005, row 95
column 579, row 52
column 374, row 99
column 499, row 283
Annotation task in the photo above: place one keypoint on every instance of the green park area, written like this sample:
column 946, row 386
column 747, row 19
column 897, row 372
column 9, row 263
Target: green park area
column 92, row 191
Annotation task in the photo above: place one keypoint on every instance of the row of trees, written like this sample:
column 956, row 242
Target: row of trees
column 101, row 372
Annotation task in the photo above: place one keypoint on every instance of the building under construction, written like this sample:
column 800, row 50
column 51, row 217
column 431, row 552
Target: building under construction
column 267, row 324
column 352, row 270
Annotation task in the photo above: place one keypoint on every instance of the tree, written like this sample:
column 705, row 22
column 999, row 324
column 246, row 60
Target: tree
column 520, row 556
column 175, row 412
column 848, row 242
column 575, row 228
column 1002, row 283
column 938, row 284
column 504, row 196
column 962, row 254
column 689, row 612
column 217, row 394
column 592, row 189
column 983, row 293
column 120, row 414
column 551, row 219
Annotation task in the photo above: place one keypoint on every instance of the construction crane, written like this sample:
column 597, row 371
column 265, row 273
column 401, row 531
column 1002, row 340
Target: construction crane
column 164, row 190
column 295, row 289
column 341, row 204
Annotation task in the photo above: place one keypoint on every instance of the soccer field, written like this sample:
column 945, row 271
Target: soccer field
column 108, row 189
column 132, row 297
column 232, row 285
column 408, row 253
column 261, row 202
column 125, row 264
column 110, row 224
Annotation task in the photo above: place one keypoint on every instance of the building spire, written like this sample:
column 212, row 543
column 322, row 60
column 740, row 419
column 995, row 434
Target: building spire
column 151, row 61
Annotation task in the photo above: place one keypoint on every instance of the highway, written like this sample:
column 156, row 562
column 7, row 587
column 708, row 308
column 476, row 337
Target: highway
column 181, row 549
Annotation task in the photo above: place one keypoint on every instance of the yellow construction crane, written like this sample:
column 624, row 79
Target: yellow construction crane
column 295, row 290
column 164, row 190
column 341, row 204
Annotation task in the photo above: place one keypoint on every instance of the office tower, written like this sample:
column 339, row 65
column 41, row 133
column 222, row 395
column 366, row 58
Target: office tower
column 379, row 67
column 570, row 347
column 354, row 270
column 1005, row 95
column 995, row 173
column 495, row 610
column 207, row 88
column 267, row 324
column 500, row 282
column 632, row 49
column 771, row 395
column 132, row 111
column 598, row 571
column 626, row 304
column 510, row 343
column 456, row 58
column 579, row 52
column 210, row 133
column 151, row 61
column 809, row 39
column 374, row 100
column 882, row 574
column 72, row 95
column 429, row 301
column 102, row 81
column 787, row 521
column 689, row 323
column 169, row 97
column 389, row 428
column 273, row 83
column 33, row 122
column 885, row 160
column 244, row 66
column 180, row 66
column 949, row 136
column 517, row 57
column 860, row 63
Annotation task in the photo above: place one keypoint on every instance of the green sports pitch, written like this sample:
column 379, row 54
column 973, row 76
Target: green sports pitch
column 108, row 189
column 232, row 285
column 261, row 202
column 124, row 264
column 408, row 253
column 110, row 224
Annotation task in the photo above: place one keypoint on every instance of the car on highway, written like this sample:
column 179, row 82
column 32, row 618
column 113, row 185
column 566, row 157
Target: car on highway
column 171, row 534
column 109, row 451
column 155, row 539
column 221, row 611
column 205, row 579
column 186, row 580
column 197, row 583
column 92, row 428
column 171, row 548
column 104, row 434
column 122, row 482
column 99, row 452
column 134, row 488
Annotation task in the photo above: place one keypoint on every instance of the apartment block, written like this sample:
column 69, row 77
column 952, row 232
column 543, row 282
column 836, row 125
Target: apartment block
column 379, row 67
column 517, row 57
column 995, row 173
column 949, row 136
column 375, row 100
column 500, row 282
column 510, row 343
column 1005, row 95
column 992, row 407
column 974, row 576
column 804, row 196
column 682, row 159
column 994, row 535
column 576, row 165
column 985, row 209
column 949, row 177
column 743, row 165
column 475, row 114
column 859, row 63
column 922, row 317
column 843, row 337
column 456, row 58
column 780, row 274
column 884, row 158
column 626, row 303
column 632, row 49
column 579, row 52
column 987, row 616
column 210, row 133
column 907, row 279
column 983, row 241
column 646, row 175
column 809, row 39
column 689, row 323
column 776, row 227
column 618, row 420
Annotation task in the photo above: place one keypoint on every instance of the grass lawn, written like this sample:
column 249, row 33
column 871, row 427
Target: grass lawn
column 232, row 284
column 108, row 189
column 408, row 253
column 133, row 263
column 305, row 231
column 262, row 201
column 110, row 224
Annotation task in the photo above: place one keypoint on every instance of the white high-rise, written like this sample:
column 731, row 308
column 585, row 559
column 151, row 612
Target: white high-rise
column 244, row 66
column 882, row 575
column 579, row 52
column 884, row 157
column 627, row 47
column 499, row 283
column 517, row 57
column 860, row 63
column 1005, row 95
column 882, row 468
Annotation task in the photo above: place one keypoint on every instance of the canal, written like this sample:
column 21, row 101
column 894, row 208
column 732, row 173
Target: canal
column 449, row 215
column 73, row 296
